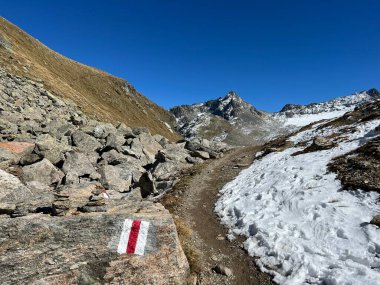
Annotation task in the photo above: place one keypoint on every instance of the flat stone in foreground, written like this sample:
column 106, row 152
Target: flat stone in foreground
column 82, row 249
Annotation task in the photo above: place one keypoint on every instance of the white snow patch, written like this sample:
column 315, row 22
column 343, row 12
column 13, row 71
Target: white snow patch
column 303, row 120
column 299, row 223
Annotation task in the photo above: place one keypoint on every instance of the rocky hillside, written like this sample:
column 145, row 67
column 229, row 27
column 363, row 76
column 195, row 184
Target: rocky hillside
column 97, row 93
column 301, row 115
column 229, row 119
column 69, row 183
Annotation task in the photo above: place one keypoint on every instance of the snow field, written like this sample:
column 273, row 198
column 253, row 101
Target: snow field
column 299, row 223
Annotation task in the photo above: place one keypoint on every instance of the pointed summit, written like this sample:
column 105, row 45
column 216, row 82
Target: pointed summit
column 232, row 96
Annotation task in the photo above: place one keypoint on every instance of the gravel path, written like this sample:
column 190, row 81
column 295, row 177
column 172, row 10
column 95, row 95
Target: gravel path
column 202, row 236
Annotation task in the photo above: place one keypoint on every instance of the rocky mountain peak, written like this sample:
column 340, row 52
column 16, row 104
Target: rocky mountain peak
column 373, row 92
column 232, row 97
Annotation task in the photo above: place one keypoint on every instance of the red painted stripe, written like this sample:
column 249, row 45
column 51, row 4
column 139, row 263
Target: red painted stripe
column 133, row 236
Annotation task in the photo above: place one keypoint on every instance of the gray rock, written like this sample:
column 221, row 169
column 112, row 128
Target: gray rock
column 146, row 183
column 173, row 152
column 139, row 131
column 51, row 149
column 116, row 178
column 220, row 269
column 114, row 158
column 161, row 140
column 200, row 154
column 125, row 131
column 12, row 190
column 101, row 131
column 83, row 248
column 79, row 163
column 44, row 172
column 322, row 143
column 85, row 142
column 78, row 168
column 12, row 152
column 30, row 159
column 194, row 160
column 114, row 141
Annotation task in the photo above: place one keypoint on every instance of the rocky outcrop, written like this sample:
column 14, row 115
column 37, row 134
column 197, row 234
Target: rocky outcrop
column 67, row 183
column 360, row 169
column 82, row 249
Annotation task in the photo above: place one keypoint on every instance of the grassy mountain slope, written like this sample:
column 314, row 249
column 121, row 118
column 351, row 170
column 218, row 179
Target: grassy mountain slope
column 97, row 93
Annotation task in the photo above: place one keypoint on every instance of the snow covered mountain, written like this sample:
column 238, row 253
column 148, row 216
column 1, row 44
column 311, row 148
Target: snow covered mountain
column 229, row 119
column 232, row 120
column 301, row 115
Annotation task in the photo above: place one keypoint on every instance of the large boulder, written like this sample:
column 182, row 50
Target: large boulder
column 13, row 152
column 51, row 149
column 78, row 165
column 83, row 249
column 85, row 142
column 173, row 152
column 43, row 171
column 12, row 190
column 116, row 178
column 101, row 131
column 145, row 146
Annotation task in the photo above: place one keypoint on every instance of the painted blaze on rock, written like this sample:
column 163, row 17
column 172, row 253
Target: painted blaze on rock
column 133, row 237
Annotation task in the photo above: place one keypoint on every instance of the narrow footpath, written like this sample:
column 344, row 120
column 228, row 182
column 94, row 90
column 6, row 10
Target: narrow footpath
column 202, row 236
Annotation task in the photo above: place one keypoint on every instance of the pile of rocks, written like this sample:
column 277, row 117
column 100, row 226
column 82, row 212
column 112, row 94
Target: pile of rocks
column 69, row 161
column 57, row 162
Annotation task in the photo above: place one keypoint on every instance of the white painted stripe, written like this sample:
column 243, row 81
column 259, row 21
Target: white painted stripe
column 124, row 237
column 141, row 240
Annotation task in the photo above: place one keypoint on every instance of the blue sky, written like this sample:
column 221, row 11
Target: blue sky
column 181, row 52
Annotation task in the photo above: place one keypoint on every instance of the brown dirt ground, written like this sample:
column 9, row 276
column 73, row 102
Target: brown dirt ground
column 201, row 234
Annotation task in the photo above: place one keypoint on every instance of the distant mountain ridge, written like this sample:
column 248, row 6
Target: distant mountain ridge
column 232, row 120
column 229, row 119
column 299, row 115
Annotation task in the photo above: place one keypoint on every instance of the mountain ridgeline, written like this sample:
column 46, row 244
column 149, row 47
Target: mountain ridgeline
column 229, row 119
column 232, row 120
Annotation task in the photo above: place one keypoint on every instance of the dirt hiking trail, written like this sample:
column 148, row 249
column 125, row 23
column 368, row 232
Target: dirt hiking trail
column 202, row 236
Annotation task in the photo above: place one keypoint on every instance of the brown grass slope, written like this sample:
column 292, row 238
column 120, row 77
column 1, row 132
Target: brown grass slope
column 97, row 93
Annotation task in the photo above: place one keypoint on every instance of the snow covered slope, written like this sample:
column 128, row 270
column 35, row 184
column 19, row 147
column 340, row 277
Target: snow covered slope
column 229, row 119
column 298, row 221
column 302, row 115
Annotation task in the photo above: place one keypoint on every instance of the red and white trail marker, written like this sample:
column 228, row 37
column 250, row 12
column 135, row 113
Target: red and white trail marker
column 133, row 237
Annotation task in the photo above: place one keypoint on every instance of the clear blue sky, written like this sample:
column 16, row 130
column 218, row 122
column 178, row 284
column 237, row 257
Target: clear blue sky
column 179, row 52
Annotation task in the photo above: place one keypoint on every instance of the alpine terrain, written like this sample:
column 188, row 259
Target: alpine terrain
column 100, row 185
